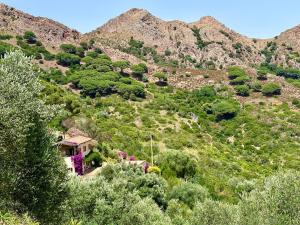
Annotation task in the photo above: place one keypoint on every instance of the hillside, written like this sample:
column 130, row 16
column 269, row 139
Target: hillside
column 206, row 43
column 187, row 123
column 51, row 33
column 214, row 43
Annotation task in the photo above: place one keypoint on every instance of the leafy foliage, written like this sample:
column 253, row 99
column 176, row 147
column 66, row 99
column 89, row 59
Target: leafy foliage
column 189, row 193
column 242, row 90
column 32, row 170
column 4, row 48
column 224, row 110
column 271, row 89
column 11, row 219
column 30, row 37
column 67, row 59
column 178, row 163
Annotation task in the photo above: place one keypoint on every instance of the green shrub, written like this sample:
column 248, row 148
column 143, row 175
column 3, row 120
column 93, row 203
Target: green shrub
column 84, row 45
column 154, row 169
column 87, row 59
column 262, row 74
column 103, row 68
column 94, row 159
column 30, row 37
column 176, row 163
column 237, row 45
column 66, row 59
column 135, row 43
column 4, row 48
column 210, row 65
column 162, row 78
column 48, row 56
column 212, row 212
column 12, row 219
column 168, row 52
column 205, row 92
column 271, row 89
column 139, row 69
column 256, row 86
column 200, row 42
column 234, row 72
column 296, row 102
column 5, row 36
column 54, row 75
column 224, row 110
column 189, row 193
column 92, row 54
column 36, row 50
column 101, row 61
column 127, row 91
column 93, row 86
column 242, row 90
column 126, row 80
column 98, row 50
column 77, row 75
column 80, row 52
column 240, row 80
column 68, row 48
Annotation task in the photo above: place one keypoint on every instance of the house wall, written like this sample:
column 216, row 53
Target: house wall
column 86, row 147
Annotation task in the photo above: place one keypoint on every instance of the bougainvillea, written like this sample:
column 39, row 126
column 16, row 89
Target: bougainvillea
column 146, row 167
column 131, row 158
column 78, row 163
column 122, row 155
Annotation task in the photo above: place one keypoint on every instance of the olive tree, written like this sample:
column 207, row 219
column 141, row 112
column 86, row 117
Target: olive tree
column 277, row 201
column 189, row 193
column 33, row 175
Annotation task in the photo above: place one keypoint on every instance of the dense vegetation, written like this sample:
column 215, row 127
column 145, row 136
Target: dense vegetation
column 29, row 160
column 292, row 75
column 215, row 160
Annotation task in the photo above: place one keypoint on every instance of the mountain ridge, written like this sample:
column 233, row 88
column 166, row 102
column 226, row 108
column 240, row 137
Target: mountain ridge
column 205, row 43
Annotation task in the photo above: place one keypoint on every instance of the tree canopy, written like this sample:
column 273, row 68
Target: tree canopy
column 32, row 171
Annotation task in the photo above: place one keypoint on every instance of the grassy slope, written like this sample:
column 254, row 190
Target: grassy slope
column 260, row 140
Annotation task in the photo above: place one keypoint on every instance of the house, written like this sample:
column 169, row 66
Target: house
column 73, row 146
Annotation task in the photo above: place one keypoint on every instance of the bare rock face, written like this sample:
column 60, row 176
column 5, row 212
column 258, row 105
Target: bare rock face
column 51, row 33
column 222, row 46
column 290, row 38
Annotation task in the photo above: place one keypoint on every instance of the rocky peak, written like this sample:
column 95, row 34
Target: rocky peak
column 136, row 12
column 132, row 18
column 209, row 20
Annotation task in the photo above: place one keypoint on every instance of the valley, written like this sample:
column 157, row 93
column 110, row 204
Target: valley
column 213, row 115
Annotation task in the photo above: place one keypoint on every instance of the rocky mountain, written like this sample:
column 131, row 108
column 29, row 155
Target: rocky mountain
column 206, row 43
column 49, row 32
column 201, row 42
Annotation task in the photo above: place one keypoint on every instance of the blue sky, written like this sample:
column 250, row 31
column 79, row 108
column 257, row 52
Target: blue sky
column 254, row 18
